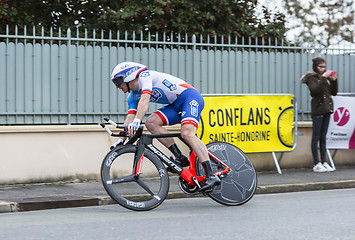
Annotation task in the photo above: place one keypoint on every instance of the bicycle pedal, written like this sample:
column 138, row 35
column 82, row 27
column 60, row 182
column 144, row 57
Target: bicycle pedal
column 196, row 182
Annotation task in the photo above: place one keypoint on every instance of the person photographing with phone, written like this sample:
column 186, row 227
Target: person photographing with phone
column 322, row 85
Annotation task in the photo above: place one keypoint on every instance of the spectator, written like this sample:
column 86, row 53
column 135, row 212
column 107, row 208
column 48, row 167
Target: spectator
column 322, row 84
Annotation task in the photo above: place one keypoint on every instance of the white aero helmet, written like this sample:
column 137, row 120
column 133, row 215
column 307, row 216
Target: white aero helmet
column 126, row 72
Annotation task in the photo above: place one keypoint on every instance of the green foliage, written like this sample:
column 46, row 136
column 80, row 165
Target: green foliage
column 214, row 17
column 53, row 14
column 12, row 13
column 207, row 17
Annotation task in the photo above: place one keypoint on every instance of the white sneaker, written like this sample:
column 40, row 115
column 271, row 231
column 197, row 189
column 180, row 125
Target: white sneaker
column 319, row 168
column 329, row 168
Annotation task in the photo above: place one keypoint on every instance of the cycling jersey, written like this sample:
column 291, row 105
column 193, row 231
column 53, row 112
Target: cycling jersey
column 185, row 103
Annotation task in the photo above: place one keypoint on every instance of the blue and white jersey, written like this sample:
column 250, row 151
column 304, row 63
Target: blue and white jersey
column 162, row 87
column 184, row 102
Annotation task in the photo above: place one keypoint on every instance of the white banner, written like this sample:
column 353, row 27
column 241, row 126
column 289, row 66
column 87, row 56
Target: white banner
column 341, row 131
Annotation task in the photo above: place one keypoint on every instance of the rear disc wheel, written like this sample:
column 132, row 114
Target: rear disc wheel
column 239, row 185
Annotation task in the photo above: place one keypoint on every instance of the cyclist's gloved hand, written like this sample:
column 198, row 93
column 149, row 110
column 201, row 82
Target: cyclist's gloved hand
column 119, row 142
column 133, row 126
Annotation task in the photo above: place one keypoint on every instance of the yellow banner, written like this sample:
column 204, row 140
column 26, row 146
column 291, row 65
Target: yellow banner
column 262, row 123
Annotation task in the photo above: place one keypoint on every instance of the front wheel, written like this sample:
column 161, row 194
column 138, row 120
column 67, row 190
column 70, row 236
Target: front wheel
column 239, row 185
column 139, row 193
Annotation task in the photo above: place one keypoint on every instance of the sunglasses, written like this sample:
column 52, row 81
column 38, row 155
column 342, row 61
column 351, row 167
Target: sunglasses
column 118, row 81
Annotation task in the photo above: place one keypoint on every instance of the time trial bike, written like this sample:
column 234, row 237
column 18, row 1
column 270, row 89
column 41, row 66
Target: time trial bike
column 135, row 174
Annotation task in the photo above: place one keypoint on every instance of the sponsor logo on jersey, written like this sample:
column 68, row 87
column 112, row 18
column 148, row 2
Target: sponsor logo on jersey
column 156, row 95
column 169, row 85
column 194, row 108
column 145, row 74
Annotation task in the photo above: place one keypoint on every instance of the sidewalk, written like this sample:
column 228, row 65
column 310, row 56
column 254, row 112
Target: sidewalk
column 28, row 197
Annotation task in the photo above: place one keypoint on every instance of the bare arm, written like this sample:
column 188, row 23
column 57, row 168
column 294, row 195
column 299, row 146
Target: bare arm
column 129, row 119
column 142, row 109
column 143, row 105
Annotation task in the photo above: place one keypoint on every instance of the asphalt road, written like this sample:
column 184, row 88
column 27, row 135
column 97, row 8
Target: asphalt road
column 325, row 214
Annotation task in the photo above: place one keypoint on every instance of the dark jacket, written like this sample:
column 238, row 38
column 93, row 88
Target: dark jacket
column 321, row 90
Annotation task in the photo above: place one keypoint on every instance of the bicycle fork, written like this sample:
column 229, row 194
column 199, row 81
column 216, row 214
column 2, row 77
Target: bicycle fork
column 138, row 159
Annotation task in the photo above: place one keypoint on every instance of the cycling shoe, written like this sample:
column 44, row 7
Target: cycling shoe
column 182, row 162
column 211, row 181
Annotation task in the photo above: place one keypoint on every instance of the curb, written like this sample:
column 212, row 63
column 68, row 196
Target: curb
column 8, row 207
column 299, row 187
column 68, row 201
column 42, row 203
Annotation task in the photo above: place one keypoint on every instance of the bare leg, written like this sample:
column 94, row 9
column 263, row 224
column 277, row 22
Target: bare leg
column 155, row 125
column 188, row 133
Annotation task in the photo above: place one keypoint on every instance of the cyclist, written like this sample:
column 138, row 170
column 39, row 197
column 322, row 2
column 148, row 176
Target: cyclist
column 183, row 105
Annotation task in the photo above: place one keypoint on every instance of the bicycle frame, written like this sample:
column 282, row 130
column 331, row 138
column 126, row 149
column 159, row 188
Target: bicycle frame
column 189, row 175
column 146, row 141
column 237, row 173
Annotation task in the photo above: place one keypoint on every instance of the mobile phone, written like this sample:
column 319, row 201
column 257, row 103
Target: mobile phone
column 331, row 73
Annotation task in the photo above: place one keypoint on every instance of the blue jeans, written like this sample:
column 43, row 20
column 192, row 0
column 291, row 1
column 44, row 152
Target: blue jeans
column 319, row 133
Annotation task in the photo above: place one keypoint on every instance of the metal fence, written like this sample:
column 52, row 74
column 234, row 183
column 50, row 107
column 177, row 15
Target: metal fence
column 64, row 78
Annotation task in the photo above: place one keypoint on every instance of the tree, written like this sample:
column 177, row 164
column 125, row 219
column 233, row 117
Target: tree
column 47, row 13
column 213, row 17
column 325, row 22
